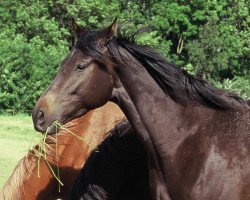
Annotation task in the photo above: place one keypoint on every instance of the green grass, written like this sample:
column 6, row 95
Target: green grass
column 16, row 137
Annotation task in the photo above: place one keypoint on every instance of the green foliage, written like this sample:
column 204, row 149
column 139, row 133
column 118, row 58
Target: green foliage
column 209, row 38
column 207, row 52
column 25, row 66
column 240, row 85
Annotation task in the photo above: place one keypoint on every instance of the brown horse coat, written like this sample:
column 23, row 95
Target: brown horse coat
column 24, row 183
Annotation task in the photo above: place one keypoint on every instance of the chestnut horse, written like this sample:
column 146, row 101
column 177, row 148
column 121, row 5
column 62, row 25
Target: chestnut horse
column 197, row 136
column 24, row 183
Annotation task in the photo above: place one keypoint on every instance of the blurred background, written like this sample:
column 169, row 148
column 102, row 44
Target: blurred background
column 209, row 38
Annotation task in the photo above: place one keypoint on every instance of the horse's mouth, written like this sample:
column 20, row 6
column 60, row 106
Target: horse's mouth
column 67, row 118
column 54, row 127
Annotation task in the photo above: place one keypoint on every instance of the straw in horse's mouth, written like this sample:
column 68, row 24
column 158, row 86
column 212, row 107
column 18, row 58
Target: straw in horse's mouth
column 41, row 152
column 60, row 126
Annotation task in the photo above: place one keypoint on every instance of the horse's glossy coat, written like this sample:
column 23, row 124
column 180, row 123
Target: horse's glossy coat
column 24, row 183
column 196, row 136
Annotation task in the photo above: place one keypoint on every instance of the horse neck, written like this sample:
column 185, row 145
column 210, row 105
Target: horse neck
column 157, row 118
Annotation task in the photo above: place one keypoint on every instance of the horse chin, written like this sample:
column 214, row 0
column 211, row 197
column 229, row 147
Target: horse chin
column 53, row 129
column 72, row 116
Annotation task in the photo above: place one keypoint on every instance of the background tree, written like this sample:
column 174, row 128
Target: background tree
column 208, row 38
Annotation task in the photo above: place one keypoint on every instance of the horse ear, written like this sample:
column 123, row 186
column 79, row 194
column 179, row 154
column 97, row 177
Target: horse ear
column 77, row 29
column 110, row 31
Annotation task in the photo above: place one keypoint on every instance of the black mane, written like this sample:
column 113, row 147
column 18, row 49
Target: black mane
column 182, row 87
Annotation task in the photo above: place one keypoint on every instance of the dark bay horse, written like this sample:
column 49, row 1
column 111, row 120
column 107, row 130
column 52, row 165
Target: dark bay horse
column 118, row 171
column 24, row 183
column 197, row 137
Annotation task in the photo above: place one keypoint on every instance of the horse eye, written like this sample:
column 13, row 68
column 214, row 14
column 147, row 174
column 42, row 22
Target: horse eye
column 80, row 67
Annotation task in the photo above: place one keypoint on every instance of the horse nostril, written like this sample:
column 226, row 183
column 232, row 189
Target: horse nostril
column 40, row 117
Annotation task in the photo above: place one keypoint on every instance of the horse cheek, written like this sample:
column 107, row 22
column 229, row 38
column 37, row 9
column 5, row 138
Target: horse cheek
column 99, row 92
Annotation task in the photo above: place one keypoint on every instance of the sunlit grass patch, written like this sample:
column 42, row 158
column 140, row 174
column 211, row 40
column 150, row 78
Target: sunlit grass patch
column 17, row 136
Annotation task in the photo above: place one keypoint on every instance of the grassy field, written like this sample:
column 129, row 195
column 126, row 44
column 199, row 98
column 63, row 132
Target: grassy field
column 16, row 137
